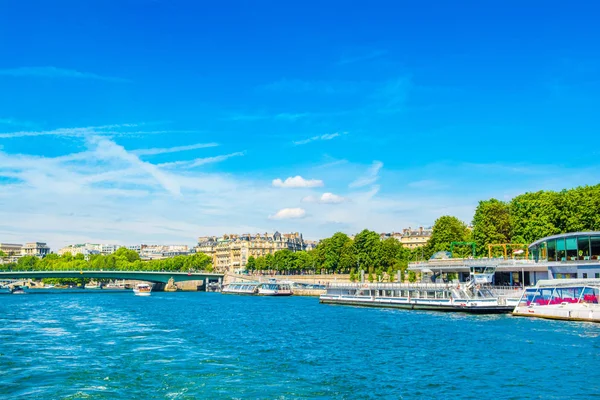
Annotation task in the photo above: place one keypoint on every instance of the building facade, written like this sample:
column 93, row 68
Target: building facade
column 86, row 249
column 231, row 252
column 410, row 238
column 37, row 249
column 12, row 252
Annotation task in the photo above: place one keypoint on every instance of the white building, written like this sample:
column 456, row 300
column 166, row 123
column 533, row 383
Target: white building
column 37, row 249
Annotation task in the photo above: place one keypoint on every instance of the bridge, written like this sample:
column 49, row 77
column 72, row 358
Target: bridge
column 159, row 277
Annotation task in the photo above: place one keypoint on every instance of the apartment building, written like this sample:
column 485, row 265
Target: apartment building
column 230, row 252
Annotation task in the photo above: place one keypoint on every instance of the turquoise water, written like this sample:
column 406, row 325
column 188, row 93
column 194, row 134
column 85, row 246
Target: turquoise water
column 208, row 345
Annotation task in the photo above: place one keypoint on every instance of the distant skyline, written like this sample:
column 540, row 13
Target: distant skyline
column 142, row 121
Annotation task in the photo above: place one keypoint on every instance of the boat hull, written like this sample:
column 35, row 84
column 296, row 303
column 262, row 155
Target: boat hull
column 577, row 312
column 449, row 307
column 137, row 293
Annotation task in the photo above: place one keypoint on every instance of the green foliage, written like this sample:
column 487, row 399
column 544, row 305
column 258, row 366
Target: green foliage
column 447, row 229
column 367, row 245
column 491, row 224
column 412, row 276
column 120, row 260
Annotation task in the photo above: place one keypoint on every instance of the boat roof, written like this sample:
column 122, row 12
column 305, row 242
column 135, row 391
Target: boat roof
column 564, row 235
column 568, row 282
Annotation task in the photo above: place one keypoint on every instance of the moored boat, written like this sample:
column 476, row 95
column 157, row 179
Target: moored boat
column 476, row 296
column 273, row 288
column 562, row 299
column 142, row 289
column 241, row 288
column 17, row 290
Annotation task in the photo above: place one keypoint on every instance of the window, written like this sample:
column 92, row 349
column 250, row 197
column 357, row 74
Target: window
column 595, row 247
column 584, row 275
column 583, row 247
column 560, row 250
column 571, row 245
column 552, row 250
column 597, row 275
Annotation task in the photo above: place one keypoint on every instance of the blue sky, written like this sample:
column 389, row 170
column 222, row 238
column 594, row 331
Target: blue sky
column 159, row 121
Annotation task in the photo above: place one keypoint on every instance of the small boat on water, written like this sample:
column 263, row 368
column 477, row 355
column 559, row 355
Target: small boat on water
column 562, row 299
column 93, row 285
column 476, row 296
column 142, row 289
column 273, row 288
column 18, row 290
column 250, row 288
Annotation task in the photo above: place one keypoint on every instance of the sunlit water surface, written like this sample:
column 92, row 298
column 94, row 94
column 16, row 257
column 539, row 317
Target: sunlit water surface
column 208, row 345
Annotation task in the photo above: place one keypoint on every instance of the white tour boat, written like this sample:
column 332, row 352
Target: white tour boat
column 241, row 288
column 275, row 289
column 142, row 289
column 563, row 299
column 476, row 296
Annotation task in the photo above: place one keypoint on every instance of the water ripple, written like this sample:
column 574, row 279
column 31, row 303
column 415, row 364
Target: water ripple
column 201, row 345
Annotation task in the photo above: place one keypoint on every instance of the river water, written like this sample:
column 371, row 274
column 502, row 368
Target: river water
column 208, row 345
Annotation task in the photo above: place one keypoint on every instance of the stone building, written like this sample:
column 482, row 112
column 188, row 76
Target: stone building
column 12, row 252
column 410, row 238
column 231, row 252
column 38, row 249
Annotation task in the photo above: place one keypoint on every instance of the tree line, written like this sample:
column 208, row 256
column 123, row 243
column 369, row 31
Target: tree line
column 121, row 260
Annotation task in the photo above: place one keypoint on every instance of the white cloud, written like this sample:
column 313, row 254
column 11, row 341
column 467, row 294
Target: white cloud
column 289, row 213
column 155, row 151
column 297, row 182
column 109, row 150
column 54, row 72
column 202, row 161
column 327, row 136
column 370, row 177
column 69, row 132
column 326, row 198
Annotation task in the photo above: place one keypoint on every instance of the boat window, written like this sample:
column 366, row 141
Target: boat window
column 595, row 247
column 583, row 247
column 560, row 250
column 571, row 245
column 551, row 250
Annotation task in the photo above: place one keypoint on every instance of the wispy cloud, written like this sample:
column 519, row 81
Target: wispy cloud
column 202, row 161
column 155, row 151
column 325, row 198
column 297, row 182
column 370, row 177
column 327, row 136
column 363, row 57
column 107, row 150
column 54, row 72
column 289, row 213
column 69, row 132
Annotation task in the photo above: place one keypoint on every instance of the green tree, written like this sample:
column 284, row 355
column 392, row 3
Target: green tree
column 251, row 264
column 129, row 255
column 447, row 229
column 367, row 249
column 491, row 224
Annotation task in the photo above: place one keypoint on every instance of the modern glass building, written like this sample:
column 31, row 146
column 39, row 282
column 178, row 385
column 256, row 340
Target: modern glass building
column 569, row 255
